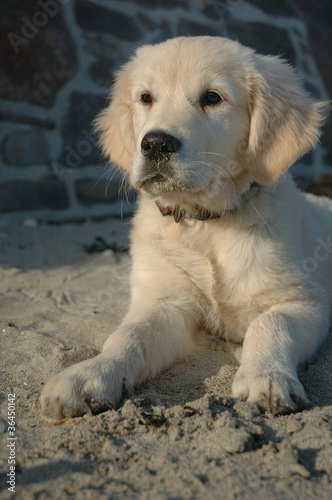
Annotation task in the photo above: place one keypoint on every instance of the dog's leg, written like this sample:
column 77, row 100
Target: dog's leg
column 274, row 344
column 152, row 336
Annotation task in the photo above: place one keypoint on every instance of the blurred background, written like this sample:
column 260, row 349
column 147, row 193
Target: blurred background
column 58, row 58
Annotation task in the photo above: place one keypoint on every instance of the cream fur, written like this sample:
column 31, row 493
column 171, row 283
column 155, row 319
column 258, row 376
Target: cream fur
column 244, row 276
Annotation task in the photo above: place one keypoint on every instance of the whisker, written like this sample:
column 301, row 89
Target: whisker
column 108, row 182
column 122, row 191
column 259, row 214
column 199, row 176
column 100, row 178
column 217, row 154
column 218, row 168
column 128, row 188
column 104, row 164
column 112, row 170
column 122, row 185
column 125, row 187
column 107, row 85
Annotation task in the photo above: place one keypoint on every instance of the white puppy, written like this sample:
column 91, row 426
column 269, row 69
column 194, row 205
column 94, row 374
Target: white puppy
column 206, row 130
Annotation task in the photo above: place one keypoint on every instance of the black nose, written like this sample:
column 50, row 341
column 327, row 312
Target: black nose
column 158, row 146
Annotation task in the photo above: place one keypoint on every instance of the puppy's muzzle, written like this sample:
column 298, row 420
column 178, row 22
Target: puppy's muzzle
column 158, row 147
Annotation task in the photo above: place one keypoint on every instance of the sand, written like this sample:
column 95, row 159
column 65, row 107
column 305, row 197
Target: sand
column 181, row 436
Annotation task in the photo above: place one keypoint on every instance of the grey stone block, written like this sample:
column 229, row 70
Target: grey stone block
column 263, row 38
column 38, row 55
column 282, row 8
column 163, row 29
column 317, row 15
column 91, row 191
column 25, row 147
column 156, row 4
column 189, row 28
column 29, row 195
column 105, row 45
column 92, row 17
column 16, row 116
column 102, row 71
column 147, row 23
column 80, row 144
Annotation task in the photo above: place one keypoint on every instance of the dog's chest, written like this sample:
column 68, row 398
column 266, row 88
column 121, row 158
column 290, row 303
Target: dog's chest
column 221, row 271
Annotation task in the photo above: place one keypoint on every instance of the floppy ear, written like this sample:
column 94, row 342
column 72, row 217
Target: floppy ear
column 114, row 124
column 285, row 121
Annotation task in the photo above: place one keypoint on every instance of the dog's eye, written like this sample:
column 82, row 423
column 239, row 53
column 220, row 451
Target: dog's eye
column 146, row 98
column 210, row 99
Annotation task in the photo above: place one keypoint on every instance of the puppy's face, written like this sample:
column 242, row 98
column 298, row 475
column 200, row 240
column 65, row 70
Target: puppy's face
column 189, row 119
column 197, row 119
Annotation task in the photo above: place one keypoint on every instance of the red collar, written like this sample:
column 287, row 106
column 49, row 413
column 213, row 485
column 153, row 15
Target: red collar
column 200, row 213
column 164, row 210
column 178, row 213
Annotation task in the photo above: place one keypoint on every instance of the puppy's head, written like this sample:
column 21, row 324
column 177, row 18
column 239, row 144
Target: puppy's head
column 205, row 116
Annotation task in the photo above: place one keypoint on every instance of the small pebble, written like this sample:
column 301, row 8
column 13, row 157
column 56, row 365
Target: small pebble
column 269, row 448
column 174, row 433
column 234, row 440
column 299, row 469
column 109, row 253
column 294, row 426
column 246, row 410
column 30, row 223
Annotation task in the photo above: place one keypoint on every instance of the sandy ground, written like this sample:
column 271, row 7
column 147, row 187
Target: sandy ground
column 180, row 437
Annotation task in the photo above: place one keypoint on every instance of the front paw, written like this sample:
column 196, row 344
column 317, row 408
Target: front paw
column 92, row 386
column 276, row 391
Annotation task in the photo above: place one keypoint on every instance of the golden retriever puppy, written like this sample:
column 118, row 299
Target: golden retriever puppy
column 222, row 240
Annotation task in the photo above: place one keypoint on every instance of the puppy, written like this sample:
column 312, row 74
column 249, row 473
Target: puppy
column 222, row 239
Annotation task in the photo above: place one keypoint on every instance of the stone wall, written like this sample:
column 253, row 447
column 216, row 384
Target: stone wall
column 58, row 58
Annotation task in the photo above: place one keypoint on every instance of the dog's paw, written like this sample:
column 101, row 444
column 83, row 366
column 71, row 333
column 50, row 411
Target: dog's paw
column 92, row 386
column 274, row 391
